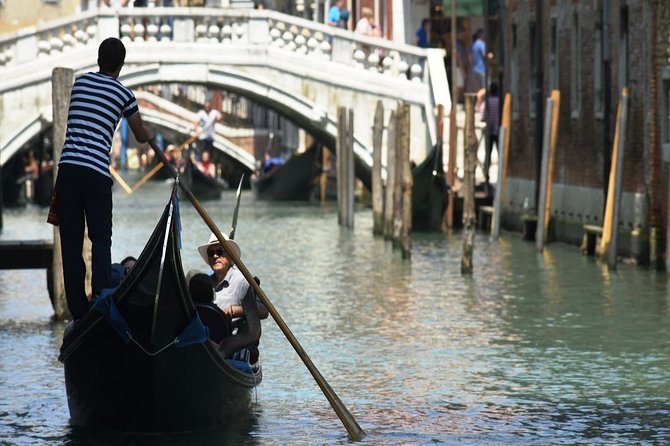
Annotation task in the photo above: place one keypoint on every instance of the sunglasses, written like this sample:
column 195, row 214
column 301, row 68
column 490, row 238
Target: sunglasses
column 218, row 251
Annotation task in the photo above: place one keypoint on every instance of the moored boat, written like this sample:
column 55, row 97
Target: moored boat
column 429, row 192
column 290, row 181
column 141, row 360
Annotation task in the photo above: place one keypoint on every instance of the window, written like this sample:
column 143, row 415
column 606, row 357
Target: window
column 514, row 75
column 623, row 48
column 553, row 56
column 665, row 115
column 575, row 84
column 598, row 70
column 532, row 79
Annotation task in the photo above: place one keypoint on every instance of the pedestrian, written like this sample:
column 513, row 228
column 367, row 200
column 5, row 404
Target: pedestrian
column 492, row 119
column 335, row 12
column 478, row 57
column 423, row 34
column 83, row 191
column 366, row 25
column 207, row 117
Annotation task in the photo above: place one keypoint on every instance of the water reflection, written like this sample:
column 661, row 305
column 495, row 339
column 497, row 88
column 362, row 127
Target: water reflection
column 531, row 348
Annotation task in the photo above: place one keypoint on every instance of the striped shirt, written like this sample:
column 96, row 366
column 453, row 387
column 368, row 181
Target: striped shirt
column 492, row 114
column 97, row 103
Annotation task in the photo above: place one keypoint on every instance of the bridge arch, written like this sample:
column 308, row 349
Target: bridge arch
column 300, row 68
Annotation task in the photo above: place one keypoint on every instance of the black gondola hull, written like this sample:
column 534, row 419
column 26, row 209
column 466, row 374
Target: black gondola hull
column 134, row 363
column 429, row 193
column 292, row 181
column 113, row 385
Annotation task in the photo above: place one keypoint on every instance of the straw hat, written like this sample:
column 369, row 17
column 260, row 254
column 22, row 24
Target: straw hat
column 215, row 241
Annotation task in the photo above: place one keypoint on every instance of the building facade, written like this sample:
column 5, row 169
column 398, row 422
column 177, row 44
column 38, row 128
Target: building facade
column 589, row 50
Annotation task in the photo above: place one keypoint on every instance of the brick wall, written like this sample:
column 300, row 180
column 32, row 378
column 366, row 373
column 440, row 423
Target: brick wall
column 580, row 157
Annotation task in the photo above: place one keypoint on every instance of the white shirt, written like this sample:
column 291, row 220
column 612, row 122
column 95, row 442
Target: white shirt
column 232, row 289
column 207, row 121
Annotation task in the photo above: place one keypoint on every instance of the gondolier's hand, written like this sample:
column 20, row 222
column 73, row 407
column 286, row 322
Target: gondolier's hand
column 257, row 280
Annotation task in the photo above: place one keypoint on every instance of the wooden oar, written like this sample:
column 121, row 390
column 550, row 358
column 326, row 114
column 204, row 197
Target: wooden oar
column 349, row 422
column 121, row 181
column 160, row 165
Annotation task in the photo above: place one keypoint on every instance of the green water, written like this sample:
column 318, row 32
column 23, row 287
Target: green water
column 531, row 349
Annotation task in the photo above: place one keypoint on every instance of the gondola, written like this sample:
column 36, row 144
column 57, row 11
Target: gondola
column 203, row 186
column 291, row 181
column 141, row 361
column 429, row 192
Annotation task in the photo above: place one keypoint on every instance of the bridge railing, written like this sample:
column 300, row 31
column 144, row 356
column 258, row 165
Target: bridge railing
column 213, row 25
column 289, row 33
column 48, row 39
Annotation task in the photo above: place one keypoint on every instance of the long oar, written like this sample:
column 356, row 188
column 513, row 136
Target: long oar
column 237, row 208
column 349, row 422
column 163, row 162
column 121, row 181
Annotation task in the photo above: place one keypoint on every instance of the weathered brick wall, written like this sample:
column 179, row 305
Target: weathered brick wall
column 580, row 153
column 522, row 155
column 580, row 146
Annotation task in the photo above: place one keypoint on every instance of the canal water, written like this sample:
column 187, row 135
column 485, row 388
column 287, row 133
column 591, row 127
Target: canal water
column 531, row 349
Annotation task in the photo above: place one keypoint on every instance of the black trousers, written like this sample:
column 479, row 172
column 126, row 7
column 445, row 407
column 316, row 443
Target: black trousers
column 84, row 195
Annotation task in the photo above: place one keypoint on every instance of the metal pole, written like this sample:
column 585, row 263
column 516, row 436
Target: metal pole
column 544, row 179
column 607, row 100
column 618, row 180
column 538, row 97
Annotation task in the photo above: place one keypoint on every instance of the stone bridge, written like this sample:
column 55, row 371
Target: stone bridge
column 302, row 69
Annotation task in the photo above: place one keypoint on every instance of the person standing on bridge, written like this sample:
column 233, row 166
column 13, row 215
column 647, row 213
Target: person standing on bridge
column 83, row 191
column 338, row 15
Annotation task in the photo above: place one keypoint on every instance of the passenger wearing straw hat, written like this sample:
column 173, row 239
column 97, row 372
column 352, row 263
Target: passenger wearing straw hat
column 230, row 287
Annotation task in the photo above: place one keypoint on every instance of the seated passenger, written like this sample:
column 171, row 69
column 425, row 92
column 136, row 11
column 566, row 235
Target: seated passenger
column 200, row 289
column 205, row 165
column 236, row 297
column 121, row 270
column 270, row 163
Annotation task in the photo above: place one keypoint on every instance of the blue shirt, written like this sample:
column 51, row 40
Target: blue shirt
column 97, row 103
column 422, row 37
column 478, row 53
column 334, row 16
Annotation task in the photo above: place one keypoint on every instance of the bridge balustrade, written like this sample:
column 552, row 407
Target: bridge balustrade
column 221, row 26
column 48, row 39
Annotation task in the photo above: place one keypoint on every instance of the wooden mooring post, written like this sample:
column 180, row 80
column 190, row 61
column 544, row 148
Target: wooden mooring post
column 345, row 166
column 613, row 206
column 390, row 176
column 61, row 84
column 402, row 194
column 377, row 184
column 470, row 164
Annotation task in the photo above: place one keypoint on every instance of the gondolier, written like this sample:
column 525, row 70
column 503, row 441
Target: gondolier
column 84, row 184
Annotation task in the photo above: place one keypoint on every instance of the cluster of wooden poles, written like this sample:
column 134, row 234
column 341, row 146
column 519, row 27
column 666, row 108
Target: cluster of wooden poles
column 608, row 240
column 392, row 198
column 392, row 202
